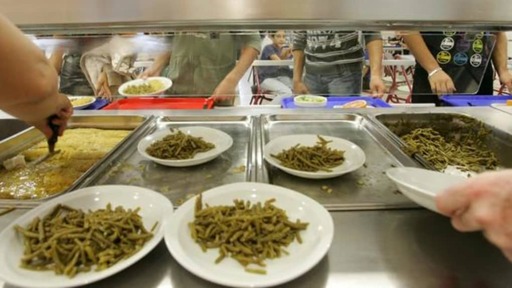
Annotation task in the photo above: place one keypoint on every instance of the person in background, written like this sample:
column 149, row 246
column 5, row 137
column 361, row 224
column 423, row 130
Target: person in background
column 29, row 82
column 333, row 61
column 276, row 79
column 209, row 63
column 482, row 203
column 67, row 64
column 449, row 57
column 108, row 66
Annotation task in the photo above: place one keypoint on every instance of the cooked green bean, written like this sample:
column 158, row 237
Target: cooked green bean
column 468, row 152
column 248, row 233
column 179, row 146
column 311, row 158
column 70, row 241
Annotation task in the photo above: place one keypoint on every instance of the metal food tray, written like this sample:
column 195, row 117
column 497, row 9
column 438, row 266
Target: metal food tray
column 180, row 183
column 367, row 188
column 26, row 139
column 447, row 124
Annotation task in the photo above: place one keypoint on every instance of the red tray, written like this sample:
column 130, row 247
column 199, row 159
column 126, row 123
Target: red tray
column 160, row 103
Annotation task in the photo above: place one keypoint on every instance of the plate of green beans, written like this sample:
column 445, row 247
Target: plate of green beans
column 184, row 146
column 249, row 234
column 314, row 156
column 83, row 236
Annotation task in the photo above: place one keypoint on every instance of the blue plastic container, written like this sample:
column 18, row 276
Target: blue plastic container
column 97, row 105
column 464, row 100
column 333, row 101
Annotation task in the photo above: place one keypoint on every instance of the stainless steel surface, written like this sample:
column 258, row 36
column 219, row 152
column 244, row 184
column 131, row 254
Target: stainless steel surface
column 181, row 183
column 400, row 248
column 366, row 188
column 129, row 15
column 14, row 145
column 384, row 248
column 10, row 127
column 448, row 123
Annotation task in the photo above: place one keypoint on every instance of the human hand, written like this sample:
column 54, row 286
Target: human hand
column 441, row 83
column 506, row 79
column 63, row 111
column 482, row 203
column 150, row 72
column 225, row 91
column 102, row 86
column 300, row 88
column 377, row 87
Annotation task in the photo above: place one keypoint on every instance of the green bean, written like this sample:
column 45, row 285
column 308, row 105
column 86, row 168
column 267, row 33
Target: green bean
column 70, row 241
column 467, row 153
column 179, row 146
column 311, row 158
column 248, row 233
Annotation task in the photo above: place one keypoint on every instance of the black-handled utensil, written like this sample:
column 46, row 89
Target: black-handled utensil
column 55, row 133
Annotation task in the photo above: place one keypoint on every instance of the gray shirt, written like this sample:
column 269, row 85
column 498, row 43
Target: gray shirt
column 325, row 49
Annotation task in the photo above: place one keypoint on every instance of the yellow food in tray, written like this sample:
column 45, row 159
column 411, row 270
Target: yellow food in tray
column 80, row 149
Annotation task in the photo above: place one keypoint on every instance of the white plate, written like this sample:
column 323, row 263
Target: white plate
column 89, row 100
column 167, row 83
column 154, row 207
column 221, row 140
column 421, row 185
column 315, row 101
column 354, row 155
column 317, row 238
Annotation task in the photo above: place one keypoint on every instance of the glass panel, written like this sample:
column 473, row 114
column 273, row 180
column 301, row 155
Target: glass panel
column 258, row 67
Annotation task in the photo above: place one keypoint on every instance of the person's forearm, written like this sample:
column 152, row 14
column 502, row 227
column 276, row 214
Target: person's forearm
column 161, row 61
column 499, row 56
column 27, row 78
column 247, row 56
column 56, row 59
column 375, row 55
column 420, row 51
column 298, row 65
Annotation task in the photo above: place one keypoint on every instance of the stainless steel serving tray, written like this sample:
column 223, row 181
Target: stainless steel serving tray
column 448, row 122
column 181, row 183
column 366, row 188
column 26, row 139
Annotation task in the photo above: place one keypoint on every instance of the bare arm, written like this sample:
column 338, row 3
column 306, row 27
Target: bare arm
column 29, row 81
column 440, row 82
column 227, row 86
column 499, row 59
column 298, row 68
column 375, row 52
column 158, row 66
column 56, row 59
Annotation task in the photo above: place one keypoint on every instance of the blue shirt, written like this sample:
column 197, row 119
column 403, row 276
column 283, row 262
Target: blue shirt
column 272, row 71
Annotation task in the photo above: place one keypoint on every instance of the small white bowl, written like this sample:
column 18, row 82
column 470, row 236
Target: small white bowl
column 167, row 83
column 421, row 185
column 221, row 140
column 354, row 155
column 311, row 101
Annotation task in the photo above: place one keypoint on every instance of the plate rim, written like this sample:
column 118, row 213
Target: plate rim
column 94, row 276
column 80, row 107
column 312, row 175
column 166, row 81
column 171, row 226
column 184, row 162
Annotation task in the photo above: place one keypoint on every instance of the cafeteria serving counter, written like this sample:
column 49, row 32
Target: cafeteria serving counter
column 393, row 245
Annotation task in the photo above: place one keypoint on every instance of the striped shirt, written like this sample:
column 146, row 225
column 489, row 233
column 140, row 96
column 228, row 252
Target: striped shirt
column 324, row 49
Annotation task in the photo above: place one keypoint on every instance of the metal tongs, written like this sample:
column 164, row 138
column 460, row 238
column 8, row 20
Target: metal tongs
column 51, row 141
